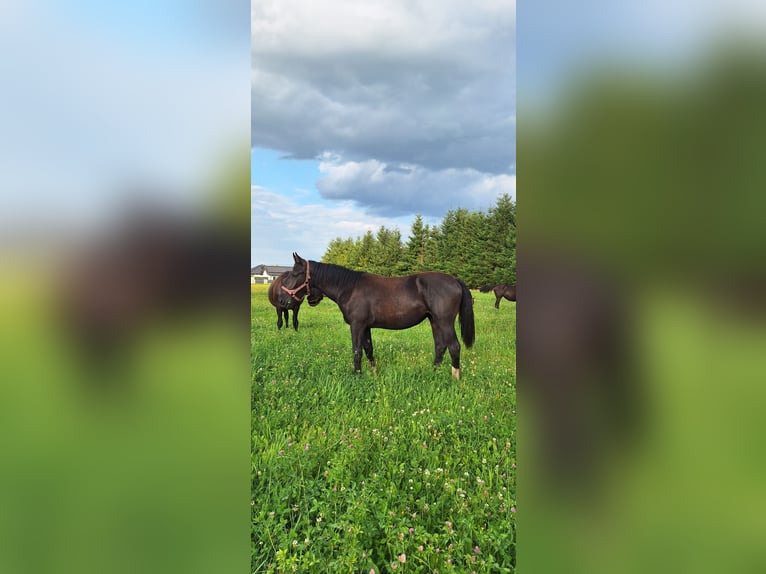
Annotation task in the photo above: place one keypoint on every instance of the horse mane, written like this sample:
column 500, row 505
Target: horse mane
column 336, row 274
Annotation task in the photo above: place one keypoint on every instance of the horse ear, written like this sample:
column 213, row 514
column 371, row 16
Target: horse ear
column 296, row 257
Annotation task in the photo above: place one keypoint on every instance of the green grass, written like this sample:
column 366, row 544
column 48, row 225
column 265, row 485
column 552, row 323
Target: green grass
column 137, row 469
column 399, row 469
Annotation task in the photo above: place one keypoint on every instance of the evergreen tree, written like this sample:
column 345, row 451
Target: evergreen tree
column 430, row 249
column 475, row 260
column 366, row 252
column 388, row 253
column 501, row 241
column 415, row 253
column 340, row 251
column 455, row 244
column 447, row 243
column 478, row 247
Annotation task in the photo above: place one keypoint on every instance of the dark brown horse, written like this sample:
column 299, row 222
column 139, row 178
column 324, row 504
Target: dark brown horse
column 370, row 301
column 283, row 303
column 577, row 375
column 500, row 291
column 150, row 267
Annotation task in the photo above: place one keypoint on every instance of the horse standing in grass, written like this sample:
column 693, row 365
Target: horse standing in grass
column 283, row 303
column 500, row 291
column 370, row 301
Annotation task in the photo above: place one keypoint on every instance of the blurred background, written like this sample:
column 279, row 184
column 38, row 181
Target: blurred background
column 642, row 286
column 124, row 352
column 124, row 339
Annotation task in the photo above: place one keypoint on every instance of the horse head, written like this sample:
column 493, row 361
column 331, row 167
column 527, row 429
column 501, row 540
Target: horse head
column 297, row 283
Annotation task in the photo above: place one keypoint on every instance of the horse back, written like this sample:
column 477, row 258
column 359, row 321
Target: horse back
column 275, row 291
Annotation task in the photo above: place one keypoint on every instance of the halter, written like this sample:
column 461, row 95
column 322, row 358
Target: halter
column 305, row 284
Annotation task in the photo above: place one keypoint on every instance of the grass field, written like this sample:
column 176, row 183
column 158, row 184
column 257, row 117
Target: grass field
column 138, row 468
column 403, row 469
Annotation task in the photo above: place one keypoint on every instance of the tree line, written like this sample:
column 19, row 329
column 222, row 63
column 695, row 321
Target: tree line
column 476, row 246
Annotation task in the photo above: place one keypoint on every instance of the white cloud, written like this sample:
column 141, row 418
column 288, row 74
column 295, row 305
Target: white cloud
column 430, row 83
column 397, row 190
column 391, row 26
column 280, row 226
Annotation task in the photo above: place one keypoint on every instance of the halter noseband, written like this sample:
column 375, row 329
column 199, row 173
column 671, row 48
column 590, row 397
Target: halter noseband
column 305, row 284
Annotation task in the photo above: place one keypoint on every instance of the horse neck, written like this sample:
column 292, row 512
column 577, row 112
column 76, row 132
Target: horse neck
column 333, row 290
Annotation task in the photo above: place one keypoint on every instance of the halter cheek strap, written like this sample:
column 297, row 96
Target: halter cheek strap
column 305, row 284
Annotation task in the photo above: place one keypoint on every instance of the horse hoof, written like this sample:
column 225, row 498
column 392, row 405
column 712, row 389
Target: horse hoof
column 456, row 373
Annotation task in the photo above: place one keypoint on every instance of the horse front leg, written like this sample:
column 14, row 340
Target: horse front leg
column 357, row 340
column 279, row 318
column 367, row 344
column 295, row 317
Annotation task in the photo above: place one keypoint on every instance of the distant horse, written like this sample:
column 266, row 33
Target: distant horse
column 500, row 291
column 370, row 301
column 149, row 267
column 283, row 303
column 576, row 365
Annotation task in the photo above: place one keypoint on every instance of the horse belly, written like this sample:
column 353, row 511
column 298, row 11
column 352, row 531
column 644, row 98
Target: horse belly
column 397, row 323
column 394, row 316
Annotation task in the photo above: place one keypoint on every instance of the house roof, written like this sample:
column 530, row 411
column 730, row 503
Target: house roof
column 270, row 269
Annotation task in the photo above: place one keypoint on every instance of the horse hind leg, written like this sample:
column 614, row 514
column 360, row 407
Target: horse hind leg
column 454, row 352
column 497, row 301
column 440, row 343
column 279, row 318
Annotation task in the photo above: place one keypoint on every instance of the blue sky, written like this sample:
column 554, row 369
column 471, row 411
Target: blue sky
column 112, row 97
column 199, row 27
column 288, row 210
column 291, row 178
column 366, row 114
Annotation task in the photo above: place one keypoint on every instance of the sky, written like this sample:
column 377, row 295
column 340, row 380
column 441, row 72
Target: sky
column 358, row 114
column 367, row 113
column 101, row 98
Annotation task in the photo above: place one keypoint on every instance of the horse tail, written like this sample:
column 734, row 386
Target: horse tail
column 467, row 327
column 486, row 289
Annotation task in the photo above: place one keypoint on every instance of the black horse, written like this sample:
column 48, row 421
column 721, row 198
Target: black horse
column 500, row 291
column 372, row 301
column 283, row 303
